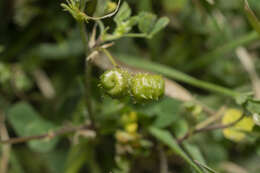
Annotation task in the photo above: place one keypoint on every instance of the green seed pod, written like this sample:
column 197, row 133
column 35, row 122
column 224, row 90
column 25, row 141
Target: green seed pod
column 146, row 87
column 115, row 82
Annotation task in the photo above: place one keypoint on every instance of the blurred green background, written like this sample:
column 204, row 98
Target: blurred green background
column 41, row 87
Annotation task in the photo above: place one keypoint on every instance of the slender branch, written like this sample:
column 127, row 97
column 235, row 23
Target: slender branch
column 219, row 126
column 129, row 35
column 211, row 119
column 136, row 35
column 6, row 149
column 50, row 135
column 208, row 128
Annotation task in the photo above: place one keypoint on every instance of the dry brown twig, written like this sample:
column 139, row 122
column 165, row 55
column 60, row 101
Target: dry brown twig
column 49, row 135
column 4, row 161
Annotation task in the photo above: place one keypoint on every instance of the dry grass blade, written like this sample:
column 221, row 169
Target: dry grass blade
column 247, row 62
column 44, row 84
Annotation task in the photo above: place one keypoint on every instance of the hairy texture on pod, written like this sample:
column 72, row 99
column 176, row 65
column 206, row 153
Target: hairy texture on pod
column 115, row 82
column 146, row 87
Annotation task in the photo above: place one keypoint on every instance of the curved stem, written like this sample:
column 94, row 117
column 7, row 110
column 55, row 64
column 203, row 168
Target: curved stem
column 110, row 57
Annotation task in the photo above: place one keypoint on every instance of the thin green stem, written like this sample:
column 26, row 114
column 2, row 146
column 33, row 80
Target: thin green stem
column 110, row 57
column 88, row 70
column 130, row 35
column 136, row 35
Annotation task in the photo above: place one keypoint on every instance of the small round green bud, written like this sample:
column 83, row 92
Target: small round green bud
column 146, row 87
column 115, row 82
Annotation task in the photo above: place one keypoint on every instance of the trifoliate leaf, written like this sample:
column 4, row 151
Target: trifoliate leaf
column 146, row 22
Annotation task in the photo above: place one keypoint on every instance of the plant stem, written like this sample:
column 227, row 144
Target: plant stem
column 88, row 70
column 130, row 35
column 6, row 149
column 49, row 135
column 110, row 57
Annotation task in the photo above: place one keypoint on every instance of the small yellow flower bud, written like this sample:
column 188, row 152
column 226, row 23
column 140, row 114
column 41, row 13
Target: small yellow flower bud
column 131, row 128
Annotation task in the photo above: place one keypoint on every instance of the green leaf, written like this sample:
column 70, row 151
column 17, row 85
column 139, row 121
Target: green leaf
column 166, row 111
column 194, row 152
column 160, row 24
column 146, row 22
column 79, row 155
column 252, row 17
column 123, row 14
column 76, row 158
column 253, row 106
column 27, row 122
column 243, row 98
column 56, row 160
column 16, row 166
column 166, row 138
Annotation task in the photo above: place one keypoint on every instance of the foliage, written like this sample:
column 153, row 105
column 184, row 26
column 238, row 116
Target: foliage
column 129, row 86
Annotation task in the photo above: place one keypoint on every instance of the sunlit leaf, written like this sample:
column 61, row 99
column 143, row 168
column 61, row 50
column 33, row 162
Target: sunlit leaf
column 235, row 133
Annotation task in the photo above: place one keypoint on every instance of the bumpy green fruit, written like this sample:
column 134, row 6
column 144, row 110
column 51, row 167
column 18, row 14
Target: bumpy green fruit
column 146, row 87
column 115, row 82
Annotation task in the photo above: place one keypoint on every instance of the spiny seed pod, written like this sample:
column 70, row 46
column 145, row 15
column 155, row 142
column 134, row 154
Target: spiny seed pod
column 115, row 82
column 146, row 87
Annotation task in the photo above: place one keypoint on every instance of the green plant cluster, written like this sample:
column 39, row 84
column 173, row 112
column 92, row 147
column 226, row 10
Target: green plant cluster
column 188, row 102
